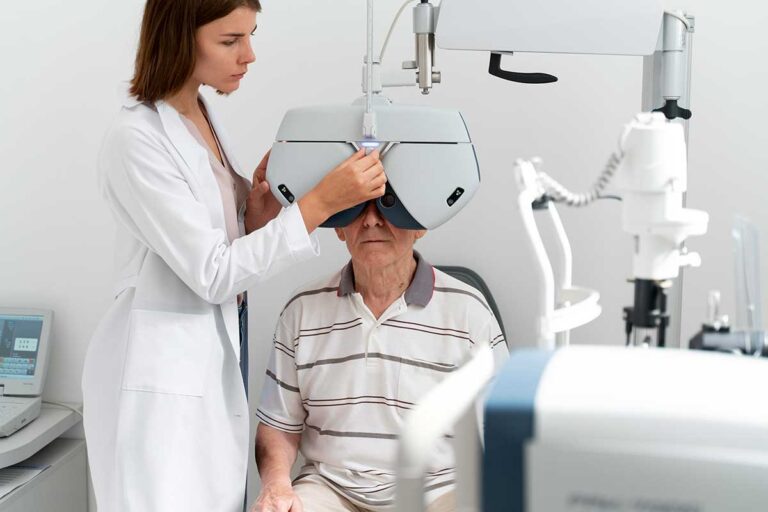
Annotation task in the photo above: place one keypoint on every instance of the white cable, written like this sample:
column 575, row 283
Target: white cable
column 392, row 28
column 64, row 405
column 560, row 194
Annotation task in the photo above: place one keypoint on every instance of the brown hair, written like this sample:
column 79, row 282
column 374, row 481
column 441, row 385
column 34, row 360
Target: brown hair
column 165, row 58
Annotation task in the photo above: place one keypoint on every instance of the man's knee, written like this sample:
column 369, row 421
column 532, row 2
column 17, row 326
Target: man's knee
column 317, row 496
column 445, row 503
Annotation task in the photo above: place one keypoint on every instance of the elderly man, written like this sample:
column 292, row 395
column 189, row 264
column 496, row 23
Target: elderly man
column 352, row 354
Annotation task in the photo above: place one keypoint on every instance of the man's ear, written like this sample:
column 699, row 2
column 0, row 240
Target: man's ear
column 420, row 233
column 340, row 234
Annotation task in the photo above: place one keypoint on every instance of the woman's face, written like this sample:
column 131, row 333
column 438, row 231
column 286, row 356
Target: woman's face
column 224, row 50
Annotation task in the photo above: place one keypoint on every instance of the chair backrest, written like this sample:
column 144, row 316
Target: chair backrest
column 473, row 279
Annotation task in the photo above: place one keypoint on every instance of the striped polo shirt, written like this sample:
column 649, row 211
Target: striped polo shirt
column 345, row 379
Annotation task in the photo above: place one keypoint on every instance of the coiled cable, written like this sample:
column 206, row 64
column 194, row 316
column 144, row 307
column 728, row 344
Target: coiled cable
column 560, row 194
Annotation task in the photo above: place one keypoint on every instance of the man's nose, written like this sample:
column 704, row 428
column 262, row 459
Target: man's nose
column 372, row 215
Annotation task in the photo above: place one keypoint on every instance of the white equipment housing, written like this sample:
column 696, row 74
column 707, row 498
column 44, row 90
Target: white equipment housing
column 652, row 180
column 550, row 26
column 427, row 153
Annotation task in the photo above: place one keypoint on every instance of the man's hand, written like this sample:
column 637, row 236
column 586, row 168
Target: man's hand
column 277, row 498
column 261, row 206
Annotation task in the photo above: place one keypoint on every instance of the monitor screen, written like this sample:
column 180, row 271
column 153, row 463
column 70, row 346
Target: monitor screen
column 19, row 345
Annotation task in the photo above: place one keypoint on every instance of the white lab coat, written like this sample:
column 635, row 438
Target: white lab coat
column 166, row 416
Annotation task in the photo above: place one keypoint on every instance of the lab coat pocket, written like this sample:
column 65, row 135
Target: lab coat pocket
column 169, row 352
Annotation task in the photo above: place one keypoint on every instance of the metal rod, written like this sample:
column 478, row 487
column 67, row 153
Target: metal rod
column 369, row 61
column 653, row 97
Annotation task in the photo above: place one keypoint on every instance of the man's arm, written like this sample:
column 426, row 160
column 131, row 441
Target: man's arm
column 491, row 333
column 275, row 454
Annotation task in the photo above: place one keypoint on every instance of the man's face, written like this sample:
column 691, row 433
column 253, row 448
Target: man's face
column 373, row 241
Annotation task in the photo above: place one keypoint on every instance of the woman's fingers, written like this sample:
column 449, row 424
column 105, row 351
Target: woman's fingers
column 357, row 155
column 378, row 192
column 366, row 161
column 379, row 180
column 261, row 170
column 259, row 189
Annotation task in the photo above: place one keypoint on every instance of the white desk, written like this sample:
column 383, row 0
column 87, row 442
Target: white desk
column 63, row 486
column 52, row 422
column 60, row 488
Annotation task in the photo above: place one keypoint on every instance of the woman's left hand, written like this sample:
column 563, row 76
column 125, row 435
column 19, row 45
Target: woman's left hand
column 261, row 206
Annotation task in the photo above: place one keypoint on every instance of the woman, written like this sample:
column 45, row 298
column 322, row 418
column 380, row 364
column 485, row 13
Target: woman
column 166, row 414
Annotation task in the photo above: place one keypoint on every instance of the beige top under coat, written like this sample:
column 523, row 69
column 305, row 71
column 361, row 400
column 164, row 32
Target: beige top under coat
column 233, row 187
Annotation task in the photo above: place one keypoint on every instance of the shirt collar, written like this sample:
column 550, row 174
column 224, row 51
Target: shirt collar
column 419, row 291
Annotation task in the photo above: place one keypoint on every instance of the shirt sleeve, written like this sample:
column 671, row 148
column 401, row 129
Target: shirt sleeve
column 492, row 335
column 498, row 343
column 152, row 198
column 281, row 406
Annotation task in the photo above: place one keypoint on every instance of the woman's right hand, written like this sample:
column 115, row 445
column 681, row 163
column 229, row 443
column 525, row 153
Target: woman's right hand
column 357, row 179
column 277, row 498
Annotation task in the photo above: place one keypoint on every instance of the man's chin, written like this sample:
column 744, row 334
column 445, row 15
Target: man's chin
column 373, row 256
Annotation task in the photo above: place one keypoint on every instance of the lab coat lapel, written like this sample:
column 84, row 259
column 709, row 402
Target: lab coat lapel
column 226, row 144
column 196, row 158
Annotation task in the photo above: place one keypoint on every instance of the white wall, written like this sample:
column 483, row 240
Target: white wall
column 65, row 65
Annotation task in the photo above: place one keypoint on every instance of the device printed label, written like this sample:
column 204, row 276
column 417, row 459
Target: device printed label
column 25, row 344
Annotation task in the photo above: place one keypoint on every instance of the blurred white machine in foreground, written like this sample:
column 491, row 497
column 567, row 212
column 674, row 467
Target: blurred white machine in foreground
column 595, row 429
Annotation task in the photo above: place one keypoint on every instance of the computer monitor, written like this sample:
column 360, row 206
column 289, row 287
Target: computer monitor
column 24, row 335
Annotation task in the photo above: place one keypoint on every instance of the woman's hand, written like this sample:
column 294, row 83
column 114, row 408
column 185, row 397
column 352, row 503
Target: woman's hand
column 277, row 498
column 261, row 206
column 357, row 179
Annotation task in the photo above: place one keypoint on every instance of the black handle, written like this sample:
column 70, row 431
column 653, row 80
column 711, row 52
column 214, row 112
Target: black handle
column 672, row 110
column 494, row 68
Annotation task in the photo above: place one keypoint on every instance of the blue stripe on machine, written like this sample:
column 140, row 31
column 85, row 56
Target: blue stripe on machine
column 509, row 417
